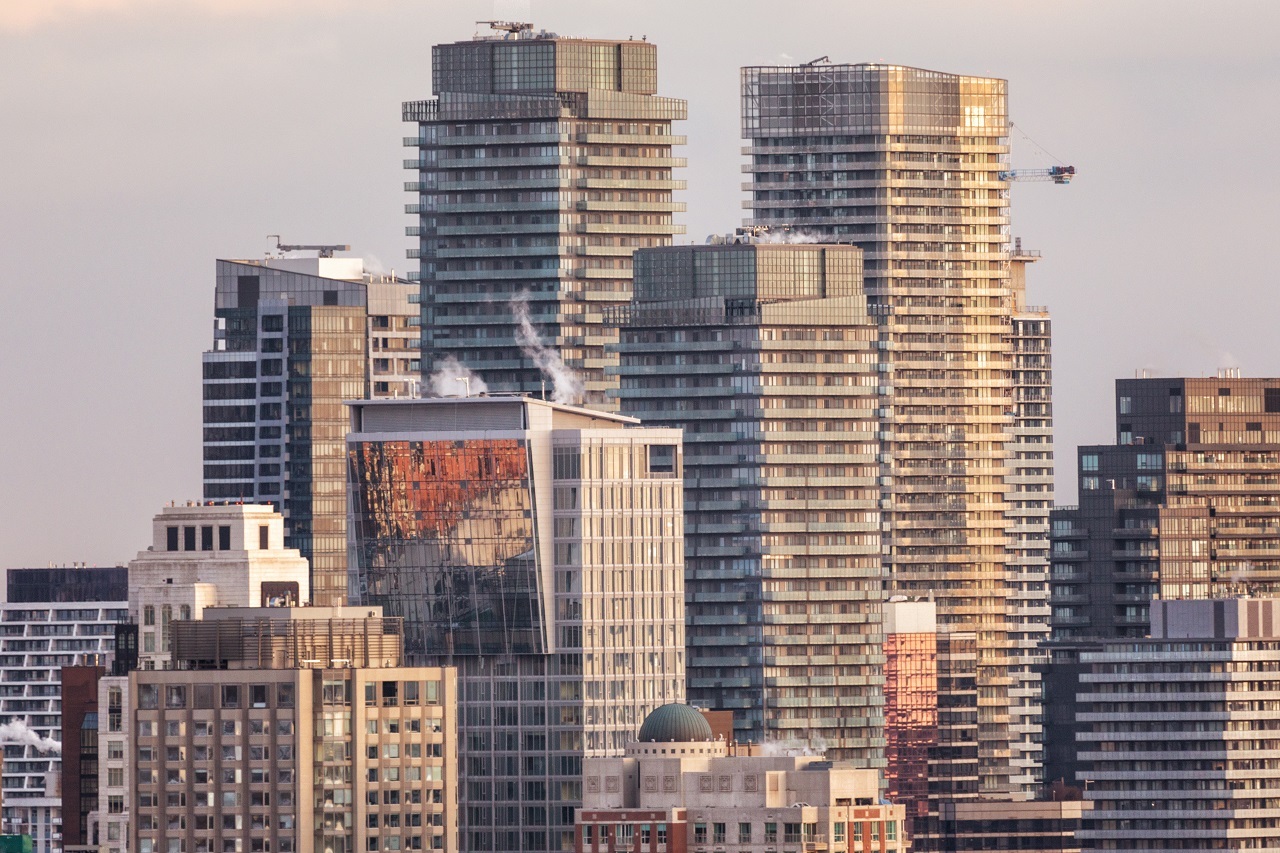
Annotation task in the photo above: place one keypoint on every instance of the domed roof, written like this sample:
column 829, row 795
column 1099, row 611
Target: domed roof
column 675, row 723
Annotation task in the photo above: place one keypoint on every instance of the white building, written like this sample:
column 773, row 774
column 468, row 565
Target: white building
column 200, row 556
column 50, row 618
column 677, row 785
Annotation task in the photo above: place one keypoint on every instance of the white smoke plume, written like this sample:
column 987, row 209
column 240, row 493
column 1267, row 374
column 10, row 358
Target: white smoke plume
column 791, row 747
column 566, row 386
column 454, row 379
column 20, row 732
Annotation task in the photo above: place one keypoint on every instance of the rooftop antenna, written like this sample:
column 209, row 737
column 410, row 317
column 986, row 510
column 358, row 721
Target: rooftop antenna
column 325, row 250
column 511, row 28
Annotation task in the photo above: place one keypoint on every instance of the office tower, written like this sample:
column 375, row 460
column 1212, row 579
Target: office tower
column 765, row 355
column 293, row 729
column 1178, row 733
column 679, row 788
column 1038, row 826
column 51, row 618
column 907, row 164
column 543, row 163
column 207, row 556
column 537, row 547
column 293, row 339
column 1186, row 504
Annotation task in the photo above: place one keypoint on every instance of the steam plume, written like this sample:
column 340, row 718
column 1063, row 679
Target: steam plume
column 566, row 386
column 453, row 379
column 20, row 732
column 794, row 747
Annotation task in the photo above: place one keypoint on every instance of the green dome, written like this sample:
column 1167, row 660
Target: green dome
column 675, row 723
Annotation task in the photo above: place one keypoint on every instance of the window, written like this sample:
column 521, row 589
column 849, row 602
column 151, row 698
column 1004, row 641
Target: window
column 1125, row 406
column 1271, row 399
column 1088, row 462
column 231, row 696
column 206, row 538
column 770, row 833
column 224, row 537
column 718, row 833
column 699, row 833
column 149, row 614
column 264, row 537
column 1089, row 483
column 257, row 695
column 188, row 538
column 744, row 833
column 171, row 538
column 284, row 696
column 115, row 749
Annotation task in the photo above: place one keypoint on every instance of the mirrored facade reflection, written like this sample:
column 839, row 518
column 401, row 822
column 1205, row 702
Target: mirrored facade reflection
column 448, row 543
column 537, row 547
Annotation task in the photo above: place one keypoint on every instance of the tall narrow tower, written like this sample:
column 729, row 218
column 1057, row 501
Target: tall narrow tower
column 544, row 163
column 906, row 164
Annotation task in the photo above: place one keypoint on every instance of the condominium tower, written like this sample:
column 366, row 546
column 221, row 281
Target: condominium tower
column 909, row 165
column 543, row 163
column 293, row 339
column 766, row 356
column 537, row 547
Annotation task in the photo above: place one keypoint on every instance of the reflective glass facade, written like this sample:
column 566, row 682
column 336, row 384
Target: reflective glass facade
column 537, row 548
column 449, row 528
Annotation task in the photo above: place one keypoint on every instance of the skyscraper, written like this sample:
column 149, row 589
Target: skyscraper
column 766, row 356
column 1186, row 504
column 538, row 548
column 907, row 164
column 293, row 339
column 544, row 163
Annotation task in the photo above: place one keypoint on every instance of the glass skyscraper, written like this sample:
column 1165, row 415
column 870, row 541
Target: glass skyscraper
column 544, row 163
column 293, row 339
column 537, row 548
column 766, row 356
column 910, row 165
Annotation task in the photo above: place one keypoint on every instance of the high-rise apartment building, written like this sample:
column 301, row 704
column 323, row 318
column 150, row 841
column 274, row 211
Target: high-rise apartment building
column 50, row 618
column 293, row 339
column 908, row 165
column 766, row 356
column 1178, row 731
column 292, row 729
column 538, row 548
column 1028, row 502
column 543, row 163
column 678, row 788
column 1186, row 504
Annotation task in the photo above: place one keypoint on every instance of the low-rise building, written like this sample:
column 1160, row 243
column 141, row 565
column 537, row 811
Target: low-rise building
column 679, row 786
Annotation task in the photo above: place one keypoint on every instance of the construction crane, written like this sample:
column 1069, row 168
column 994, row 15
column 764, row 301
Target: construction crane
column 1057, row 174
column 326, row 250
column 510, row 27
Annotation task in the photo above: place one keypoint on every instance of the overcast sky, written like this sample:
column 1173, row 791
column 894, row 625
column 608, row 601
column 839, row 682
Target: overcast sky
column 142, row 139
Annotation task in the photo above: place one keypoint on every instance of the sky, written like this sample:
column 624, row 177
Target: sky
column 142, row 139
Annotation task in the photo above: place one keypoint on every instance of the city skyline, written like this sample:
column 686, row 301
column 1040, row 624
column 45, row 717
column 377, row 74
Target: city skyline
column 175, row 137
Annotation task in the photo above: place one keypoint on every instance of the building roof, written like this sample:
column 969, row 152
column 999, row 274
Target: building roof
column 675, row 723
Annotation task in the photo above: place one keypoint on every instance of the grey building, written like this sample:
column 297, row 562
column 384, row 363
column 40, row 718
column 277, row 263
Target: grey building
column 1178, row 731
column 537, row 547
column 766, row 356
column 911, row 166
column 543, row 163
column 293, row 339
